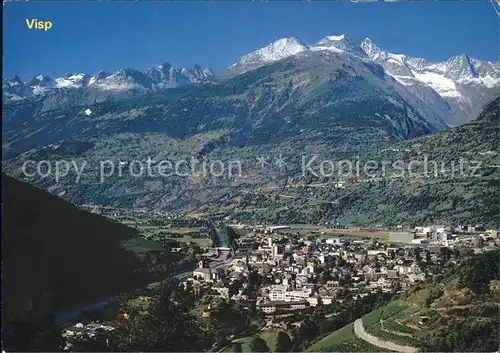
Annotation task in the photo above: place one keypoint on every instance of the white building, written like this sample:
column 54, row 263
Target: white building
column 334, row 241
column 278, row 249
column 203, row 273
column 281, row 294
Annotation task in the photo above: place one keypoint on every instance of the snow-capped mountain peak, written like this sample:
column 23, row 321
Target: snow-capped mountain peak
column 42, row 81
column 277, row 50
column 446, row 87
column 377, row 54
column 280, row 49
column 14, row 88
column 165, row 67
column 15, row 80
column 455, row 88
column 286, row 47
column 202, row 73
column 460, row 67
column 72, row 80
column 342, row 43
column 337, row 38
column 160, row 77
column 371, row 49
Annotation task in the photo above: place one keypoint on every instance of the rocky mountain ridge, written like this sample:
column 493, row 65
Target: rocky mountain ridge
column 157, row 78
column 454, row 89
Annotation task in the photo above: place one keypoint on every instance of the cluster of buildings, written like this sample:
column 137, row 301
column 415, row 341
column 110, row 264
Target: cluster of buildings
column 80, row 331
column 280, row 271
column 440, row 235
column 299, row 272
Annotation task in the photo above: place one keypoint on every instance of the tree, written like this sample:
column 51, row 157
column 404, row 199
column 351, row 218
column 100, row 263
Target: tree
column 417, row 251
column 309, row 330
column 257, row 344
column 237, row 347
column 478, row 271
column 434, row 294
column 228, row 318
column 427, row 257
column 98, row 343
column 283, row 342
column 38, row 335
column 167, row 325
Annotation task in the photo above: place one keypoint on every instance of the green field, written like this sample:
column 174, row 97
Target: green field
column 154, row 233
column 384, row 312
column 343, row 236
column 343, row 340
column 203, row 242
column 141, row 245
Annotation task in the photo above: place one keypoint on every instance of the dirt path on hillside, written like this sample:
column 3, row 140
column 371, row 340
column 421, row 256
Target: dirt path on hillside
column 360, row 332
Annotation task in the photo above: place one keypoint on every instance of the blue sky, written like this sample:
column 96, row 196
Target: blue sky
column 90, row 36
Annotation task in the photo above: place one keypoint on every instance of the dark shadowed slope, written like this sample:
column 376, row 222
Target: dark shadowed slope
column 56, row 256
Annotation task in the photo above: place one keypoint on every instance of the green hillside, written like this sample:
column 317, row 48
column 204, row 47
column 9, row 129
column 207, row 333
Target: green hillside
column 459, row 317
column 343, row 340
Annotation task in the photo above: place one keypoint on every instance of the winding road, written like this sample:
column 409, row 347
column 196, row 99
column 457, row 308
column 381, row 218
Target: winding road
column 360, row 332
column 67, row 316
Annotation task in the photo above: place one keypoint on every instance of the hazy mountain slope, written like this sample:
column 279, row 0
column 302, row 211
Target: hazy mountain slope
column 289, row 196
column 56, row 257
column 470, row 196
column 322, row 100
column 319, row 91
column 386, row 196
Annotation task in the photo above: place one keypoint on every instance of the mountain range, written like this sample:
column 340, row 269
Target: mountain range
column 157, row 78
column 335, row 99
column 452, row 91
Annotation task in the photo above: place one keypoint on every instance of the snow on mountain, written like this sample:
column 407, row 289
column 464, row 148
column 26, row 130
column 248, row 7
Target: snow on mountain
column 42, row 84
column 124, row 79
column 340, row 43
column 14, row 88
column 454, row 90
column 99, row 75
column 72, row 80
column 201, row 72
column 464, row 84
column 278, row 50
column 161, row 77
